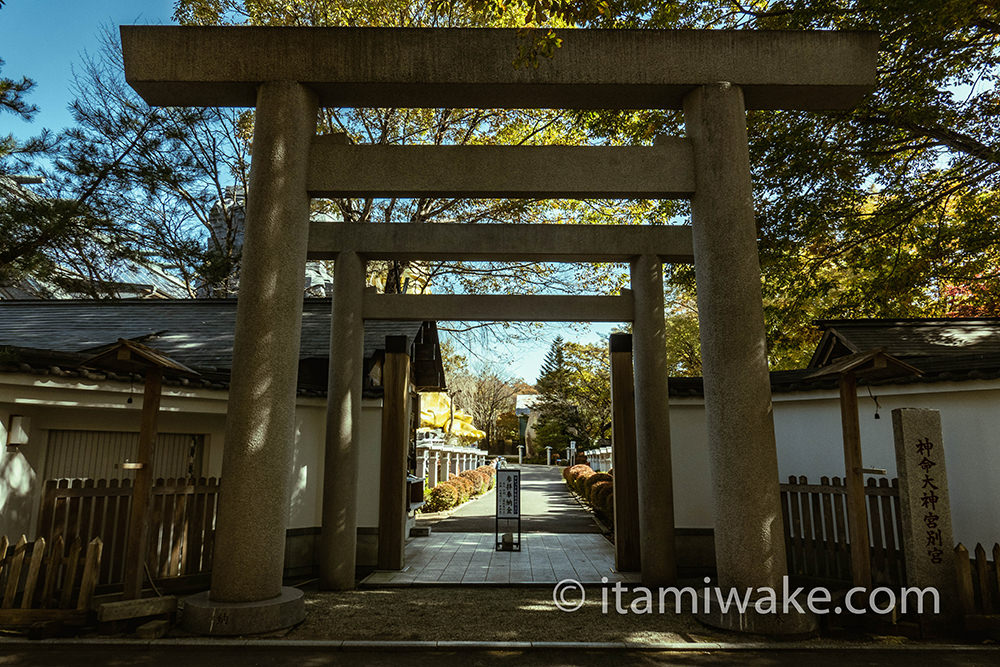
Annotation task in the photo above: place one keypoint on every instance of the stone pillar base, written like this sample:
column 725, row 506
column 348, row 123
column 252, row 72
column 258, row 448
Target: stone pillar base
column 791, row 625
column 208, row 617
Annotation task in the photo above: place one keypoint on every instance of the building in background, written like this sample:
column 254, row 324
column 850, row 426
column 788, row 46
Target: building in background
column 227, row 221
column 80, row 423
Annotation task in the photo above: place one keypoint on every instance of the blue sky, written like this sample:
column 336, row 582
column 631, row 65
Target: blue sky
column 44, row 40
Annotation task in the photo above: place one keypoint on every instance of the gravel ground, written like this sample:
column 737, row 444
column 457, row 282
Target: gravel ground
column 513, row 614
column 482, row 614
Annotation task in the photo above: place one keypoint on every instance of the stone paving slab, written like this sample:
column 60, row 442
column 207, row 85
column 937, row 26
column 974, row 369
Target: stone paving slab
column 471, row 558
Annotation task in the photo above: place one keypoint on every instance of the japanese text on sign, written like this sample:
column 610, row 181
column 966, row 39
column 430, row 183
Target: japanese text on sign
column 929, row 500
column 508, row 494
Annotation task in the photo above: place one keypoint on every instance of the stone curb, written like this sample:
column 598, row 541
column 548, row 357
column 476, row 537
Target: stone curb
column 347, row 645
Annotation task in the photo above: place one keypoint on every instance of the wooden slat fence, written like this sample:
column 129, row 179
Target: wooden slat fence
column 41, row 580
column 816, row 536
column 978, row 580
column 181, row 522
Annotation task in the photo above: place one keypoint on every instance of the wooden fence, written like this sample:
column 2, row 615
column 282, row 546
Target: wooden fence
column 816, row 537
column 181, row 522
column 40, row 584
column 978, row 581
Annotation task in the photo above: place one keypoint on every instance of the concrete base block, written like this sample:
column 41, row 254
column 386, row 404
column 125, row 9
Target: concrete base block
column 153, row 629
column 208, row 617
column 791, row 625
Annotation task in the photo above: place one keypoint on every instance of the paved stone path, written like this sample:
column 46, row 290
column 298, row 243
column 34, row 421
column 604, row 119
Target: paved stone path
column 546, row 506
column 559, row 540
column 472, row 558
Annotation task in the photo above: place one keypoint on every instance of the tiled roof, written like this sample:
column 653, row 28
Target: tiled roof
column 909, row 339
column 68, row 365
column 955, row 368
column 196, row 332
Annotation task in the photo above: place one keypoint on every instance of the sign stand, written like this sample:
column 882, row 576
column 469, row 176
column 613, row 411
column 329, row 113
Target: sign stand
column 508, row 508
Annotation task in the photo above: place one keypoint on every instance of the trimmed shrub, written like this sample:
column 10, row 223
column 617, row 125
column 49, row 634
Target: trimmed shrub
column 467, row 474
column 465, row 487
column 580, row 483
column 480, row 480
column 592, row 481
column 572, row 473
column 442, row 497
column 487, row 479
column 491, row 475
column 606, row 502
column 599, row 494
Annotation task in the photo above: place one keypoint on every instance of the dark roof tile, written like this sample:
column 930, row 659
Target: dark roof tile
column 196, row 332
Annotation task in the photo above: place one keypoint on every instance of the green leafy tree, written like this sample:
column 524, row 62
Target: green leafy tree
column 589, row 369
column 45, row 225
column 508, row 428
column 559, row 421
column 442, row 127
column 159, row 171
column 16, row 155
column 886, row 210
column 870, row 212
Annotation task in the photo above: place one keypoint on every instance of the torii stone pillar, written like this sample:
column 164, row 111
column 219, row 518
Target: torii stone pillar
column 652, row 425
column 260, row 424
column 749, row 538
column 338, row 539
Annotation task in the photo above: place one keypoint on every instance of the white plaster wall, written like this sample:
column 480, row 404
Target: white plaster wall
column 18, row 479
column 691, row 471
column 58, row 404
column 369, row 463
column 305, row 503
column 809, row 442
column 808, row 431
column 306, row 499
column 97, row 406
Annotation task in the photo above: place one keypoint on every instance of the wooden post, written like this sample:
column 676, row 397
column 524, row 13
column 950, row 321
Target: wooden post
column 627, row 553
column 395, row 438
column 136, row 546
column 857, row 516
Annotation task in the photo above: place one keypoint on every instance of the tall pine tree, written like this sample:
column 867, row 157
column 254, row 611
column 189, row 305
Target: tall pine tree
column 560, row 421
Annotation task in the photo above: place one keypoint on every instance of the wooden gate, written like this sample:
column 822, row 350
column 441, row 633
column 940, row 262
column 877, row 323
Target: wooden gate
column 181, row 527
column 816, row 537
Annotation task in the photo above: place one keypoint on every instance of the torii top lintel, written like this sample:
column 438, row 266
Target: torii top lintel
column 473, row 68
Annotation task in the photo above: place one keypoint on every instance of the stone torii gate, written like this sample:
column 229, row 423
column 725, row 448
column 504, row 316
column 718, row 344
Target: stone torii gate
column 288, row 73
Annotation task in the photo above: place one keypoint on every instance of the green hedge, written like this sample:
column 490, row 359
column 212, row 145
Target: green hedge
column 479, row 479
column 589, row 483
column 442, row 497
column 459, row 488
column 602, row 498
column 465, row 487
column 597, row 488
column 571, row 473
